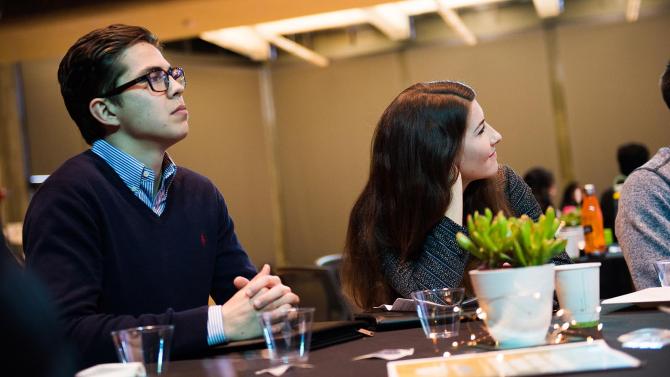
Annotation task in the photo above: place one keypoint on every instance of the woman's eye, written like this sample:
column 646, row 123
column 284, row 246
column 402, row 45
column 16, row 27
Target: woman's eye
column 481, row 130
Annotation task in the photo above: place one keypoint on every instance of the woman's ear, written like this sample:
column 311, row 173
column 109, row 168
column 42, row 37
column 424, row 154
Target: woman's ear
column 458, row 160
column 104, row 111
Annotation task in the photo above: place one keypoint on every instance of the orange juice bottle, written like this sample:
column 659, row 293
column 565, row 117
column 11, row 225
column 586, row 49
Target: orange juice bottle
column 592, row 222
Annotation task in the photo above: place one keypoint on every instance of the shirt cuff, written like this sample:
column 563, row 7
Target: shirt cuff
column 215, row 333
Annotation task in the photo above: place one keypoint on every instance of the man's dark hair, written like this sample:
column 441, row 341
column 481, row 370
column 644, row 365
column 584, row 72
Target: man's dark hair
column 91, row 67
column 631, row 156
column 665, row 85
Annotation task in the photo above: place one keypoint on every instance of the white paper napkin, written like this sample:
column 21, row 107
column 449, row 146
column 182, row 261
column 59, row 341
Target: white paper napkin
column 281, row 369
column 114, row 370
column 387, row 354
column 399, row 305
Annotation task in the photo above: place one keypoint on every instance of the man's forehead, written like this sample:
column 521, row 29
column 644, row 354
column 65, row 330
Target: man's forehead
column 140, row 59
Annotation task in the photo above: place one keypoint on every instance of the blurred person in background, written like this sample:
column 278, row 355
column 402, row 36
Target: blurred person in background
column 541, row 182
column 572, row 197
column 433, row 162
column 630, row 156
column 643, row 218
column 34, row 341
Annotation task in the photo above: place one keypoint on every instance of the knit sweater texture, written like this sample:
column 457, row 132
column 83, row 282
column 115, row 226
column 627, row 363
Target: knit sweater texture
column 643, row 219
column 111, row 263
column 442, row 263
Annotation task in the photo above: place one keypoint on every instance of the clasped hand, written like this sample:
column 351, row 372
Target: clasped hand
column 264, row 292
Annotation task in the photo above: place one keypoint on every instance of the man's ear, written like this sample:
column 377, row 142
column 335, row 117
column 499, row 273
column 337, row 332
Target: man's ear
column 104, row 111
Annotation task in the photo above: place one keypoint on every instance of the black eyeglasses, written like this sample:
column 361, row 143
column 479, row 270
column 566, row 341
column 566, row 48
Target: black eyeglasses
column 158, row 79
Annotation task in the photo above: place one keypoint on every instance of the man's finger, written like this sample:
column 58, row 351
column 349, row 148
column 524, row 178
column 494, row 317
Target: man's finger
column 259, row 282
column 240, row 282
column 261, row 300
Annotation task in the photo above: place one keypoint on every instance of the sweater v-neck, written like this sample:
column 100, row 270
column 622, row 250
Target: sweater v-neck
column 125, row 191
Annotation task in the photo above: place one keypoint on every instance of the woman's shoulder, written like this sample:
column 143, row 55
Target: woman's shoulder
column 509, row 179
column 518, row 193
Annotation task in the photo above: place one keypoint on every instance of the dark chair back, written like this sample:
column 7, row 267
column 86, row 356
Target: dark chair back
column 332, row 262
column 317, row 287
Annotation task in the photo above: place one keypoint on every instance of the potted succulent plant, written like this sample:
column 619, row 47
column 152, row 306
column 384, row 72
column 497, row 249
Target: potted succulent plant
column 516, row 302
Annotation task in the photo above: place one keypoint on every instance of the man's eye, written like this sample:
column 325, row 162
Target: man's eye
column 157, row 76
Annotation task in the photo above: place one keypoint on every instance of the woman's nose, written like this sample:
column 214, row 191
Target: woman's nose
column 496, row 137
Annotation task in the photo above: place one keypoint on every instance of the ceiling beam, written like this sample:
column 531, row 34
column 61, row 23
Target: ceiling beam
column 391, row 21
column 632, row 10
column 244, row 40
column 452, row 19
column 294, row 48
column 548, row 8
column 50, row 35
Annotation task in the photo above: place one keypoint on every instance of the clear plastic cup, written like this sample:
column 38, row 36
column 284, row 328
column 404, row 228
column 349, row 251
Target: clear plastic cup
column 288, row 334
column 439, row 311
column 149, row 345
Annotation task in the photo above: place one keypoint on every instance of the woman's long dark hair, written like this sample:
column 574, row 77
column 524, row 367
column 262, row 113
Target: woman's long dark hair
column 413, row 166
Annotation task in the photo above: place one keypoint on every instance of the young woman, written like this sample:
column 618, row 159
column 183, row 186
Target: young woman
column 433, row 162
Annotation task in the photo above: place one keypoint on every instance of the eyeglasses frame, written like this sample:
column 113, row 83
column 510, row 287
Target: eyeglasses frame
column 168, row 74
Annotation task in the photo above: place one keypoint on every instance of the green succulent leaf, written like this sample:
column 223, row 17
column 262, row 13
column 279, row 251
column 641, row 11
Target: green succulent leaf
column 519, row 241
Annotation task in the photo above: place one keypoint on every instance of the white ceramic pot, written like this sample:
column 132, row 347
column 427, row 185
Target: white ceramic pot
column 517, row 303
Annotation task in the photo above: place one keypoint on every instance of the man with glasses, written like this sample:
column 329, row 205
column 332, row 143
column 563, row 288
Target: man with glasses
column 120, row 234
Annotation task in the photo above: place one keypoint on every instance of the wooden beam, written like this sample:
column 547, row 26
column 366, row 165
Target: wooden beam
column 294, row 48
column 244, row 40
column 390, row 21
column 12, row 161
column 50, row 35
column 559, row 104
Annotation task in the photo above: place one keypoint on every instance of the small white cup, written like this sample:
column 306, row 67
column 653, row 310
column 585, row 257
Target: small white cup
column 662, row 268
column 578, row 291
column 575, row 237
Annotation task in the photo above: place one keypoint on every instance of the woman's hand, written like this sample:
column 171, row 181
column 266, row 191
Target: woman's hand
column 455, row 208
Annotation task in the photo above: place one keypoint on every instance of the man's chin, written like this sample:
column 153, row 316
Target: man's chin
column 182, row 133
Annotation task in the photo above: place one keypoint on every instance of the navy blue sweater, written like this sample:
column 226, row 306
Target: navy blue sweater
column 112, row 263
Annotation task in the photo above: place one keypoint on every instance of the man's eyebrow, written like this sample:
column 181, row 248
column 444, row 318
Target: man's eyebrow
column 149, row 70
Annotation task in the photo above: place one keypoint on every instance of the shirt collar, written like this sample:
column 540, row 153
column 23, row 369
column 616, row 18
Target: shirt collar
column 130, row 169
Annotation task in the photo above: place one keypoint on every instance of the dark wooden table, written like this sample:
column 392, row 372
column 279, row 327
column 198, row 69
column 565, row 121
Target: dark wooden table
column 337, row 360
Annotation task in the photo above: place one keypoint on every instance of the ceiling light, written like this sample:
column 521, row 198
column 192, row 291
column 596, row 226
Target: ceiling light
column 321, row 21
